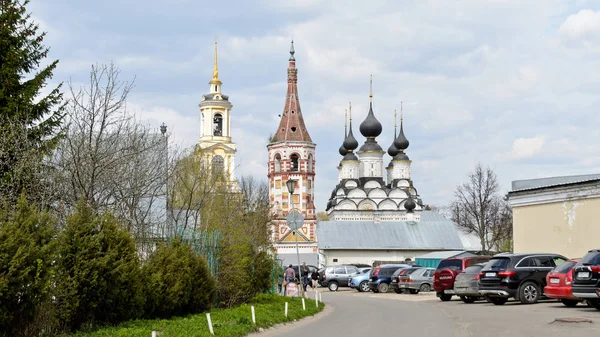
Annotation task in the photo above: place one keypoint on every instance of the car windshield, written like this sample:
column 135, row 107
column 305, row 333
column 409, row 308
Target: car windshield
column 452, row 264
column 410, row 271
column 497, row 263
column 564, row 267
column 591, row 259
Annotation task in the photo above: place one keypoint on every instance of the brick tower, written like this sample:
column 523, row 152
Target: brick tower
column 292, row 156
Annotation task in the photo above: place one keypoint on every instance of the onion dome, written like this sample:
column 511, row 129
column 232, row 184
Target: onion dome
column 370, row 127
column 342, row 150
column 410, row 205
column 401, row 142
column 392, row 150
column 350, row 143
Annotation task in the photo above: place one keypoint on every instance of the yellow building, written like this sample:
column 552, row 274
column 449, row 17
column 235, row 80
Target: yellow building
column 556, row 215
column 216, row 145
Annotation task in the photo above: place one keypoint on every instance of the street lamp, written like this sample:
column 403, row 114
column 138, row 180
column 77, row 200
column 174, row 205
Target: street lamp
column 291, row 186
column 163, row 131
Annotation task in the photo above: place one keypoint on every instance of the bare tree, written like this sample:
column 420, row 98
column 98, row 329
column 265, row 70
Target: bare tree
column 479, row 209
column 108, row 158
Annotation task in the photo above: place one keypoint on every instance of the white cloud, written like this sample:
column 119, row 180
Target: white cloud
column 583, row 27
column 523, row 148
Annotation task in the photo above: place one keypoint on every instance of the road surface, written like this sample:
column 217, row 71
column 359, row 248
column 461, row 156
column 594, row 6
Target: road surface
column 350, row 313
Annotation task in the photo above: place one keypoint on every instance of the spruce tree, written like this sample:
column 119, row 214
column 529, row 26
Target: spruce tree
column 29, row 121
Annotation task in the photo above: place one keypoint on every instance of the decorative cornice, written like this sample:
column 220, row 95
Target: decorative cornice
column 554, row 195
column 215, row 103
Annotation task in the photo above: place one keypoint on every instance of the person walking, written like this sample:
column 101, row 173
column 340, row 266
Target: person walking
column 289, row 276
column 315, row 279
column 304, row 272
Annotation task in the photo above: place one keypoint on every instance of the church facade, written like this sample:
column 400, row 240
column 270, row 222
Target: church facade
column 291, row 154
column 216, row 145
column 375, row 213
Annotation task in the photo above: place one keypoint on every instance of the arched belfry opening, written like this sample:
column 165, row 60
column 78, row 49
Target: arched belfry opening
column 218, row 125
column 294, row 162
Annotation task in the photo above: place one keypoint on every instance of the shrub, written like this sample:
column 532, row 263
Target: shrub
column 177, row 281
column 26, row 254
column 98, row 272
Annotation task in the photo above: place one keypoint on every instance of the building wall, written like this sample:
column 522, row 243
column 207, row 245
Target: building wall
column 570, row 227
column 327, row 257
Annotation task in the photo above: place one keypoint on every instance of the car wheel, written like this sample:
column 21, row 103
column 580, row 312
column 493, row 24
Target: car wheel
column 468, row 299
column 383, row 287
column 529, row 293
column 499, row 300
column 569, row 303
column 445, row 297
column 333, row 286
column 413, row 291
column 594, row 304
column 364, row 286
column 424, row 288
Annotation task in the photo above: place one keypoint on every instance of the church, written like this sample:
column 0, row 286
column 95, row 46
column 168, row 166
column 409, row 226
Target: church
column 376, row 214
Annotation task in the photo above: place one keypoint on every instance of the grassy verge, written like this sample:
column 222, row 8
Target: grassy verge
column 269, row 310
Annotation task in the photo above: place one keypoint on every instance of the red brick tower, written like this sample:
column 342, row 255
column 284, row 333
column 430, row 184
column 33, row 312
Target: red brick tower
column 292, row 156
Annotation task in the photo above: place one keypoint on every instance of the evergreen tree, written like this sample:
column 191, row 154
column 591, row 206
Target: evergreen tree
column 26, row 257
column 98, row 272
column 29, row 122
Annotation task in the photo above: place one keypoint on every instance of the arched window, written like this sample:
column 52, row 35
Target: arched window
column 310, row 164
column 218, row 164
column 294, row 162
column 277, row 162
column 218, row 125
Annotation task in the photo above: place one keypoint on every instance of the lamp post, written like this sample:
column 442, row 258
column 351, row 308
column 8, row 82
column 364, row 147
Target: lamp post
column 291, row 186
column 163, row 131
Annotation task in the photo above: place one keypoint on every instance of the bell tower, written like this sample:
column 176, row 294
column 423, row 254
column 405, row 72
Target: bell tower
column 292, row 157
column 216, row 145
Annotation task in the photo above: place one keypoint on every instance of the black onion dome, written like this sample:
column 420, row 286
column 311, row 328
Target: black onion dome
column 410, row 205
column 343, row 150
column 370, row 127
column 392, row 150
column 401, row 142
column 350, row 143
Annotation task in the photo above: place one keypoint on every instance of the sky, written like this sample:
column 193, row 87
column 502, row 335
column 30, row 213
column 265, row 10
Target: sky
column 512, row 85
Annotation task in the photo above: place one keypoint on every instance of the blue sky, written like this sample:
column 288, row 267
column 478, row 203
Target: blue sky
column 510, row 84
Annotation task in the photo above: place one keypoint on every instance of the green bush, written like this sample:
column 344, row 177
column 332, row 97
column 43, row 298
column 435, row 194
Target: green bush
column 98, row 272
column 26, row 254
column 177, row 282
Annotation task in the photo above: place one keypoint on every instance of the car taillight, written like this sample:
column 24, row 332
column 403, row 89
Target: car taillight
column 595, row 269
column 477, row 276
column 482, row 274
column 409, row 279
column 569, row 278
column 507, row 273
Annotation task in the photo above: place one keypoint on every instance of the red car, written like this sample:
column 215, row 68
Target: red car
column 559, row 281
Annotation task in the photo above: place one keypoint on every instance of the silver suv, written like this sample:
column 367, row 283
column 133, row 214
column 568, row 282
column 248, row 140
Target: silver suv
column 336, row 276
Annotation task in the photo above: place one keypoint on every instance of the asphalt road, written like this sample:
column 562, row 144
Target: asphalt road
column 350, row 313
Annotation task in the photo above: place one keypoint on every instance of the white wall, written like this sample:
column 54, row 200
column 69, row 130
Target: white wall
column 327, row 257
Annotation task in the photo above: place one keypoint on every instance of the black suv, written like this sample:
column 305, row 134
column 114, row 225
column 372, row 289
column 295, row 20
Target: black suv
column 522, row 276
column 586, row 278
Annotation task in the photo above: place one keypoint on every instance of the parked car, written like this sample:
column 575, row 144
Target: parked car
column 559, row 283
column 381, row 276
column 446, row 271
column 336, row 276
column 586, row 278
column 395, row 278
column 466, row 283
column 360, row 281
column 416, row 279
column 522, row 276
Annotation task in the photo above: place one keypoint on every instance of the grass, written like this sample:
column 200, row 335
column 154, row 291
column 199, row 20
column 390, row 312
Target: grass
column 237, row 321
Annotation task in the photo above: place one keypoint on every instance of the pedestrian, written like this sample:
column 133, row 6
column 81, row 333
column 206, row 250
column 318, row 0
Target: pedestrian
column 315, row 278
column 304, row 273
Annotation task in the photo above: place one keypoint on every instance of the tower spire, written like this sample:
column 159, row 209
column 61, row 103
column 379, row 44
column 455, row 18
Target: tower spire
column 215, row 78
column 345, row 122
column 371, row 89
column 292, row 52
column 395, row 117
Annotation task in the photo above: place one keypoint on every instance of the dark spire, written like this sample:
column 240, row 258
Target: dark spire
column 392, row 150
column 370, row 127
column 350, row 143
column 292, row 52
column 342, row 149
column 401, row 143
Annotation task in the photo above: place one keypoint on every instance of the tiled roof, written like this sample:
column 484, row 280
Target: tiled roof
column 532, row 184
column 432, row 232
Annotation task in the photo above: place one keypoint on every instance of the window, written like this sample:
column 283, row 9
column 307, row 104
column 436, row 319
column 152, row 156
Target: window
column 564, row 268
column 218, row 164
column 558, row 260
column 545, row 262
column 277, row 162
column 452, row 264
column 218, row 125
column 309, row 167
column 329, row 270
column 473, row 270
column 498, row 264
column 294, row 162
column 340, row 271
column 351, row 270
column 334, row 260
column 591, row 259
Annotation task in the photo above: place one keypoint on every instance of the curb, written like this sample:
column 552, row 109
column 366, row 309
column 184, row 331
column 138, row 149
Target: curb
column 281, row 328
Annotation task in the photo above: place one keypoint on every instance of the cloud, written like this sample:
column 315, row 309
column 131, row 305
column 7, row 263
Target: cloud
column 524, row 148
column 582, row 28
